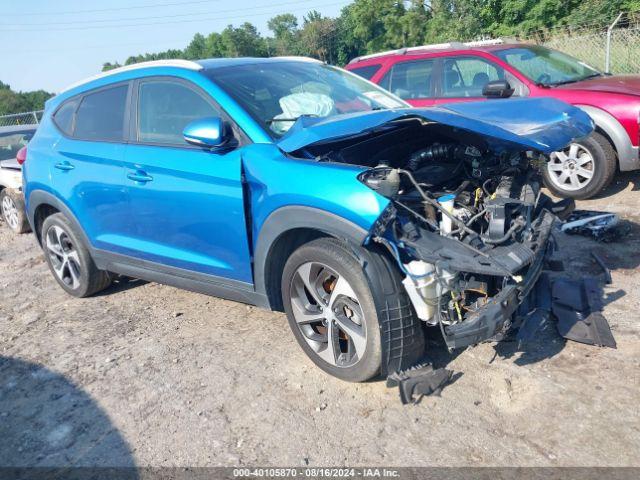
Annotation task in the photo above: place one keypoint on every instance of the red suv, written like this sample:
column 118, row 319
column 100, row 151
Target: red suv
column 453, row 72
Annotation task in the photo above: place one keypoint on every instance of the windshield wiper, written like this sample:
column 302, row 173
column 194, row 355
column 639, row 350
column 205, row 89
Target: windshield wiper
column 593, row 75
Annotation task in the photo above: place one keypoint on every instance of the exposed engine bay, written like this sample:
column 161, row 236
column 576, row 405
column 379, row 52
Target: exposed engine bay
column 467, row 223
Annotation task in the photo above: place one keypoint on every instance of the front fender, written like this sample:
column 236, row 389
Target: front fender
column 285, row 193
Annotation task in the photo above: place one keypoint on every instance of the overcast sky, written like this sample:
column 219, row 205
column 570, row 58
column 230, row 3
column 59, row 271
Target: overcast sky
column 48, row 44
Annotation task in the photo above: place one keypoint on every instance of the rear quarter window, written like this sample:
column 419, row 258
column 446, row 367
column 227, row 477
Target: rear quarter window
column 366, row 72
column 64, row 116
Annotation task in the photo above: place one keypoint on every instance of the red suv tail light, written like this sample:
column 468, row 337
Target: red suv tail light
column 21, row 157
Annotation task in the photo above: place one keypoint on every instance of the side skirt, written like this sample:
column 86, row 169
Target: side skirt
column 177, row 277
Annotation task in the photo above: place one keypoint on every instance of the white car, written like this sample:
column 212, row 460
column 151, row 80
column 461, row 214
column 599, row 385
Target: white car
column 12, row 139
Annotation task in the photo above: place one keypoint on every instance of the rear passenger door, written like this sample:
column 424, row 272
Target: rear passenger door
column 87, row 169
column 187, row 202
column 413, row 81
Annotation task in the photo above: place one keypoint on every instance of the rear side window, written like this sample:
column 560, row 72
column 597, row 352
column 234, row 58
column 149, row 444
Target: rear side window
column 165, row 107
column 63, row 118
column 410, row 80
column 101, row 115
column 366, row 72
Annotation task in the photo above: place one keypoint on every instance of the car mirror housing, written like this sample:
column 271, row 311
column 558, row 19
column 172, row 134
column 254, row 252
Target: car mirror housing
column 497, row 89
column 206, row 132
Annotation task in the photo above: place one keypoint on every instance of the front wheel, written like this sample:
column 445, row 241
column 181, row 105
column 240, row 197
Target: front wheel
column 581, row 170
column 329, row 301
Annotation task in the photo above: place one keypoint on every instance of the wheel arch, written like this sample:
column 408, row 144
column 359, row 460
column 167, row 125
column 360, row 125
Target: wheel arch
column 44, row 204
column 284, row 231
column 612, row 129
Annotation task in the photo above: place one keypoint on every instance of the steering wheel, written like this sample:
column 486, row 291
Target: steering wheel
column 544, row 78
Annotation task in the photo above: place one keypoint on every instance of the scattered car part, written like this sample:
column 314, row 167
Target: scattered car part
column 598, row 225
column 600, row 261
column 418, row 381
column 577, row 306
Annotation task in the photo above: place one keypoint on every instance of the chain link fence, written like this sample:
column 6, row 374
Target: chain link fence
column 589, row 43
column 25, row 118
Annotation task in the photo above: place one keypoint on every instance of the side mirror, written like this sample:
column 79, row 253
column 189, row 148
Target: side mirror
column 206, row 132
column 497, row 89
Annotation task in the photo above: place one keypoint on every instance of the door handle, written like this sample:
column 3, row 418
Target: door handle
column 64, row 166
column 139, row 176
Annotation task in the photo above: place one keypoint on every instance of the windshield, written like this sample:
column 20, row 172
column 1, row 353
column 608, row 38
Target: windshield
column 547, row 67
column 10, row 143
column 277, row 94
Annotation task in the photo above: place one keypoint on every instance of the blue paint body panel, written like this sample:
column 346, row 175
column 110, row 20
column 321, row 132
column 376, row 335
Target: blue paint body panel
column 203, row 210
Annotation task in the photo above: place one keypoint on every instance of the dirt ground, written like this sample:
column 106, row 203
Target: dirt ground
column 149, row 375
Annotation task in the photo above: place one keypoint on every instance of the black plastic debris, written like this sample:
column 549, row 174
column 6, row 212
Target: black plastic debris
column 607, row 273
column 577, row 305
column 416, row 382
column 601, row 226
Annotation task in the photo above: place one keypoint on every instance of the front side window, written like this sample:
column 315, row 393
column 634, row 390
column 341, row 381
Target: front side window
column 545, row 66
column 10, row 143
column 166, row 107
column 366, row 72
column 277, row 94
column 101, row 115
column 410, row 80
column 467, row 76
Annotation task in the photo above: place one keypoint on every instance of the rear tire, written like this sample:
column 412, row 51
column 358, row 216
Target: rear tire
column 13, row 210
column 327, row 293
column 69, row 259
column 583, row 169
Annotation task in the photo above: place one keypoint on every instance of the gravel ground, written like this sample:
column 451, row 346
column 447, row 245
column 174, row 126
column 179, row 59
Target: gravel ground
column 149, row 375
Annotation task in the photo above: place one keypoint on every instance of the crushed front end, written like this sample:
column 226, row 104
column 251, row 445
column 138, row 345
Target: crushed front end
column 466, row 221
column 471, row 246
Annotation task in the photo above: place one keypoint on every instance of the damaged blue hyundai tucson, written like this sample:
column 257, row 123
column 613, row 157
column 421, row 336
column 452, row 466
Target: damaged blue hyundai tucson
column 299, row 187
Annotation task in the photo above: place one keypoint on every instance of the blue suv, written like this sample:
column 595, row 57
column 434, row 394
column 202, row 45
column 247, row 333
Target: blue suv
column 300, row 187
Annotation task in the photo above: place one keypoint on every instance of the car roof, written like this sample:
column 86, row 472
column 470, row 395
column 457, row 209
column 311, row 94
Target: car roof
column 18, row 128
column 429, row 50
column 214, row 63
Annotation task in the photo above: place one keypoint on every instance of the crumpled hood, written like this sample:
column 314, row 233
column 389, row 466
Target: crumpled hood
column 542, row 124
column 623, row 84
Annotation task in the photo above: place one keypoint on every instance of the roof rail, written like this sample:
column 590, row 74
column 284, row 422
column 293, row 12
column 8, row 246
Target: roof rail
column 188, row 64
column 434, row 46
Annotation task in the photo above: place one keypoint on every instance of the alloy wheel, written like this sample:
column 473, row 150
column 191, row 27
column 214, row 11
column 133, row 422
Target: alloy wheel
column 10, row 212
column 64, row 256
column 328, row 314
column 571, row 169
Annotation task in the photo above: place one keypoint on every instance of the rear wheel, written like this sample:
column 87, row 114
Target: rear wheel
column 331, row 310
column 69, row 259
column 13, row 210
column 581, row 170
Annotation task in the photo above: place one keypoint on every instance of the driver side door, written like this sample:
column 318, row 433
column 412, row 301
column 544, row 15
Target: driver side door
column 186, row 202
column 463, row 77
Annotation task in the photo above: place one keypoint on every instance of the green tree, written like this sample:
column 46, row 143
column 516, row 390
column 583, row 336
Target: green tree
column 286, row 39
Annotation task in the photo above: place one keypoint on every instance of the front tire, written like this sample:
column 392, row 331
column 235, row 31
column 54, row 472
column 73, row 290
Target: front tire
column 331, row 308
column 583, row 169
column 13, row 210
column 69, row 259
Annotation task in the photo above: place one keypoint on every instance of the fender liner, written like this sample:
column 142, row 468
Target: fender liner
column 293, row 217
column 41, row 197
column 627, row 153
